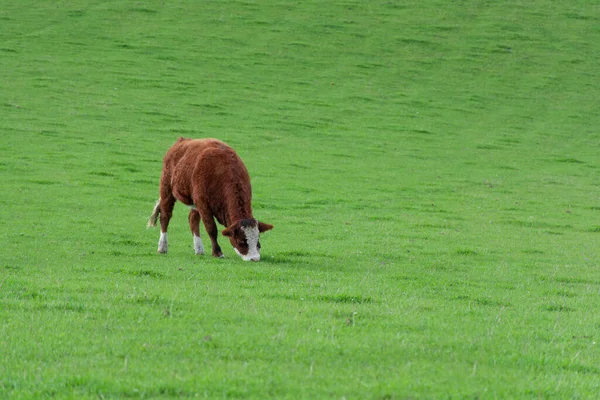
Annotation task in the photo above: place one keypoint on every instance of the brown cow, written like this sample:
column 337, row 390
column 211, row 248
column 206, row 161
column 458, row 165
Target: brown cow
column 208, row 176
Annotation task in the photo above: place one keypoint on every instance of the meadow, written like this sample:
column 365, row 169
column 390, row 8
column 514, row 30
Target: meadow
column 431, row 168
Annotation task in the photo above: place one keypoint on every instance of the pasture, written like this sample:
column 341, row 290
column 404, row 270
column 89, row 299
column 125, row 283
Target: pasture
column 431, row 169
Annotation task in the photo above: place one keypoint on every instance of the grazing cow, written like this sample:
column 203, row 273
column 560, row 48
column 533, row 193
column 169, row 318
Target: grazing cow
column 208, row 176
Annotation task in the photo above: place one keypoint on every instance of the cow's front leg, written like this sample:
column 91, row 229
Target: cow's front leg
column 211, row 229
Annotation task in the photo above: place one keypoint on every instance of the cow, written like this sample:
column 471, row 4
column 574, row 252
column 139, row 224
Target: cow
column 208, row 176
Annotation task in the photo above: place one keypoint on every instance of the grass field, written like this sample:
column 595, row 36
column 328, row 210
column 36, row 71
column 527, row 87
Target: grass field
column 432, row 170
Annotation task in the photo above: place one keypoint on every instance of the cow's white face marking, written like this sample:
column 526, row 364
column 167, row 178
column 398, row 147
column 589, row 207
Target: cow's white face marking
column 198, row 246
column 162, row 242
column 252, row 240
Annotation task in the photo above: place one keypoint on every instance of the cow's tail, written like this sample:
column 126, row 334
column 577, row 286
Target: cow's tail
column 155, row 213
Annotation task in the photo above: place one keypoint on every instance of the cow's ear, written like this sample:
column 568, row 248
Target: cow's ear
column 227, row 232
column 262, row 227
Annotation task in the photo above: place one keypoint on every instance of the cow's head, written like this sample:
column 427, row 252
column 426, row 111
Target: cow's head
column 244, row 237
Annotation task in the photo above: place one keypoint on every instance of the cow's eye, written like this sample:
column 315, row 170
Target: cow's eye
column 258, row 245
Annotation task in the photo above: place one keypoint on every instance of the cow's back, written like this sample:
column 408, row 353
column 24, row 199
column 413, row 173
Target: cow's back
column 185, row 152
column 202, row 168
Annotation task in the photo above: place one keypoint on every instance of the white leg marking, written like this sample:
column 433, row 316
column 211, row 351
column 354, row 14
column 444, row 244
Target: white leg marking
column 252, row 240
column 162, row 242
column 198, row 246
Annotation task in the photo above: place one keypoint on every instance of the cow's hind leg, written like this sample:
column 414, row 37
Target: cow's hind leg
column 194, row 218
column 167, row 202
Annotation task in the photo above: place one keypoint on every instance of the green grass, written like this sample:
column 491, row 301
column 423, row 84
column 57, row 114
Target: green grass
column 431, row 169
